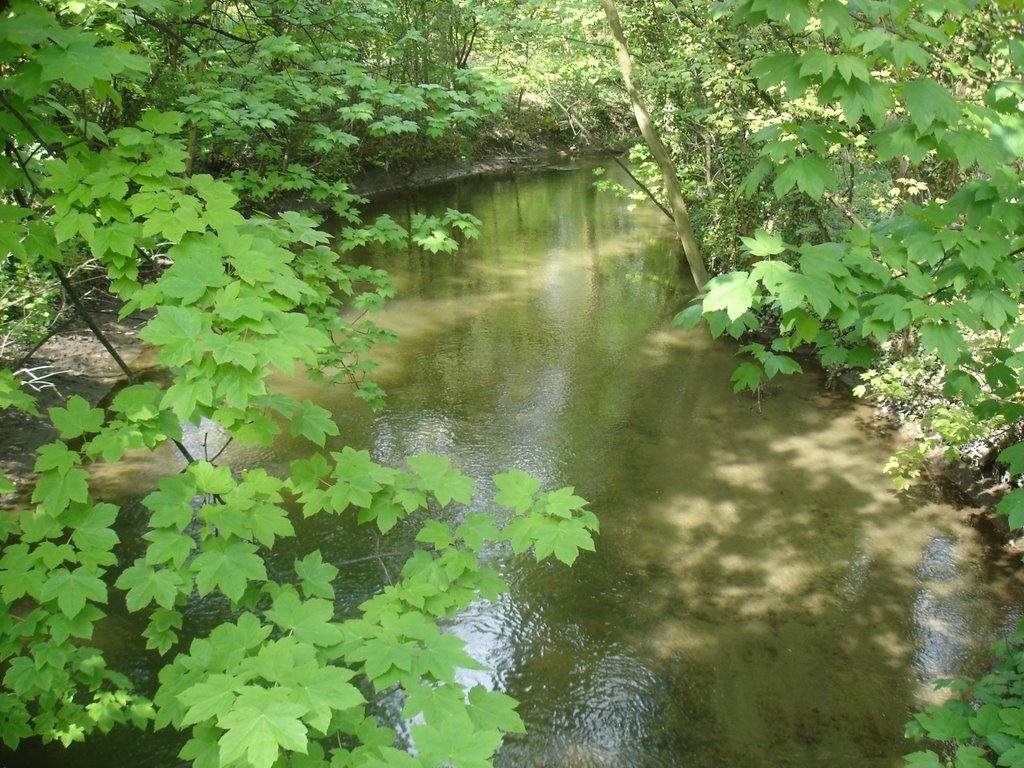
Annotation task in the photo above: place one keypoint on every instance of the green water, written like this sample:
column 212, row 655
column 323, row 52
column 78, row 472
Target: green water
column 760, row 595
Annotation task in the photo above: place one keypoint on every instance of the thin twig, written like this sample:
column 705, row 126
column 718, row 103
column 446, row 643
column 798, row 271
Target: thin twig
column 645, row 189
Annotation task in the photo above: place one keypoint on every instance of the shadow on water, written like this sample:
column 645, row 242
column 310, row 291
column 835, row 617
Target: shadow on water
column 760, row 596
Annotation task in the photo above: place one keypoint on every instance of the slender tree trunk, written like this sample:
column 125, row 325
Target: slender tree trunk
column 680, row 214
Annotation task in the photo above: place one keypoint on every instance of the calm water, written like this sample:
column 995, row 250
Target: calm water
column 760, row 596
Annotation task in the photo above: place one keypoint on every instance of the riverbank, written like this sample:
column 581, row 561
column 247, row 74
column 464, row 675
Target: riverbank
column 384, row 183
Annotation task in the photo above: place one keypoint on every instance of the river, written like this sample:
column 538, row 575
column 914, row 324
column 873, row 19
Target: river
column 760, row 594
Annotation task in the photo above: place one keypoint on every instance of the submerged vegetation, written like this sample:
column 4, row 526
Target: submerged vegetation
column 842, row 177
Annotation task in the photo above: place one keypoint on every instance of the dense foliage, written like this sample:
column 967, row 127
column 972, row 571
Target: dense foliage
column 854, row 175
column 140, row 138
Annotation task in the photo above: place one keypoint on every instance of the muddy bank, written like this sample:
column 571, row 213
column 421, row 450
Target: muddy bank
column 384, row 183
column 72, row 362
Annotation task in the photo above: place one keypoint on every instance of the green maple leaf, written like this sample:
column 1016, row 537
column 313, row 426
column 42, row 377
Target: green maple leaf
column 258, row 733
column 746, row 376
column 810, row 174
column 77, row 418
column 765, row 244
column 520, row 532
column 238, row 386
column 306, row 474
column 493, row 709
column 146, row 585
column 1012, row 505
column 516, row 489
column 927, row 102
column 733, row 292
column 55, row 490
column 806, row 325
column 436, row 533
column 406, row 493
column 442, row 654
column 311, row 621
column 56, row 456
column 211, row 479
column 139, row 402
column 454, row 741
column 942, row 724
column 172, row 503
column 434, row 474
column 73, row 589
column 173, row 225
column 924, row 759
column 79, row 61
column 323, row 691
column 383, row 656
column 434, row 702
column 234, row 305
column 230, row 348
column 211, row 698
column 228, row 565
column 316, row 575
column 357, row 478
column 775, row 364
column 276, row 661
column 159, row 631
column 260, row 429
column 185, row 396
column 477, row 531
column 313, row 422
column 563, row 502
column 11, row 394
column 168, row 546
column 563, row 538
column 268, row 521
column 384, row 511
column 14, row 721
column 91, row 528
column 1014, row 456
column 176, row 329
column 157, row 121
column 214, row 192
column 945, row 340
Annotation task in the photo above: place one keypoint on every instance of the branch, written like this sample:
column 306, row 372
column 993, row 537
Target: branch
column 645, row 189
column 28, row 126
column 83, row 313
column 219, row 31
column 845, row 210
column 166, row 29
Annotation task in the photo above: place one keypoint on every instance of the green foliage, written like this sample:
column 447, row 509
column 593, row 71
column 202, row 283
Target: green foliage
column 143, row 135
column 984, row 720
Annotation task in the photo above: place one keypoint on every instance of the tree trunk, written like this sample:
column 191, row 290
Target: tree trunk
column 680, row 214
